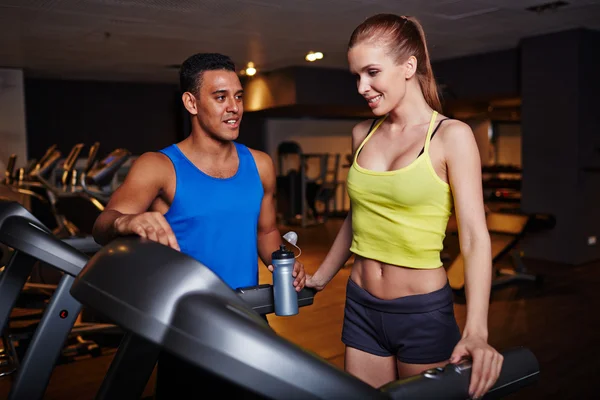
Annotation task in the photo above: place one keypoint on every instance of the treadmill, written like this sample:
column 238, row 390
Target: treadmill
column 97, row 179
column 180, row 306
column 32, row 241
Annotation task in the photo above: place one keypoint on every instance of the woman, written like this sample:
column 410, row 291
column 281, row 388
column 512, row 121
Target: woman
column 411, row 167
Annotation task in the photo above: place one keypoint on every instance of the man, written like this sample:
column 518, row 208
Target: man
column 207, row 196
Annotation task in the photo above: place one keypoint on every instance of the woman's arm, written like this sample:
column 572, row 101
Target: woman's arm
column 340, row 250
column 336, row 257
column 464, row 174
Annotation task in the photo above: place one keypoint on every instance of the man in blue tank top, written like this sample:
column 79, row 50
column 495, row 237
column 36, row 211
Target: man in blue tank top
column 207, row 196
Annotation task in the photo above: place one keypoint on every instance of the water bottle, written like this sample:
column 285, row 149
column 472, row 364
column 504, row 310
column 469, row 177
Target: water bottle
column 284, row 291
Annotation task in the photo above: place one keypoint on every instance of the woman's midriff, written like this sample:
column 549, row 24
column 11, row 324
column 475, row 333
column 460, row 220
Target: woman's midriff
column 389, row 282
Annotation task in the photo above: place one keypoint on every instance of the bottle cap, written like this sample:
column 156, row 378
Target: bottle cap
column 282, row 253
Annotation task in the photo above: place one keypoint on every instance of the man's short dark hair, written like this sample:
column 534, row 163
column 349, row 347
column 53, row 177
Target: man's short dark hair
column 192, row 69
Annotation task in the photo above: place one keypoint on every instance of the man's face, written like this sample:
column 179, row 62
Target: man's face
column 219, row 106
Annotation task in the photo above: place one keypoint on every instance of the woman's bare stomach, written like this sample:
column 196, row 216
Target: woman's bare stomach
column 389, row 282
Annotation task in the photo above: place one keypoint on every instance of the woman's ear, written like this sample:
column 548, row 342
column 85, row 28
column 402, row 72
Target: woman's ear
column 410, row 67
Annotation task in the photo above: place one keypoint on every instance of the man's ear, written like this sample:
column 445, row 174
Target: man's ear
column 189, row 102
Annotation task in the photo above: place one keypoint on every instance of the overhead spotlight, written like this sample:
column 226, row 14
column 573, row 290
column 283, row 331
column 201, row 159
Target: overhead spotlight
column 250, row 70
column 313, row 56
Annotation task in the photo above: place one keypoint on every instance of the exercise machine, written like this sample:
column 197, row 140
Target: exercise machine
column 182, row 307
column 136, row 357
column 97, row 179
column 75, row 196
column 20, row 181
column 299, row 191
column 31, row 241
column 502, row 183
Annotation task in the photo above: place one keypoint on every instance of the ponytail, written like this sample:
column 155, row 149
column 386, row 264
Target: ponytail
column 426, row 78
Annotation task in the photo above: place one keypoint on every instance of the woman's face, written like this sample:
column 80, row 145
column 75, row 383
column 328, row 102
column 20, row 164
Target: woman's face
column 379, row 79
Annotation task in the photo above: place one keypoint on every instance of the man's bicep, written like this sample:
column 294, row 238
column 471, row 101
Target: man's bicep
column 268, row 218
column 140, row 187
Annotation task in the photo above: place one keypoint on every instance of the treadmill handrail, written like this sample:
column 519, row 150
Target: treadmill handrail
column 47, row 155
column 11, row 208
column 92, row 155
column 10, row 169
column 27, row 237
column 520, row 368
column 261, row 298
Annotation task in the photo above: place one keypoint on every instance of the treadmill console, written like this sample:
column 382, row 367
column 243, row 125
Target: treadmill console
column 103, row 173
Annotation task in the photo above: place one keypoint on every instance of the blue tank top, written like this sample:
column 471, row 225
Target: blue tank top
column 215, row 220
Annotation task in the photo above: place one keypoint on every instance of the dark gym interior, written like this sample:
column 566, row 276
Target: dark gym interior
column 88, row 86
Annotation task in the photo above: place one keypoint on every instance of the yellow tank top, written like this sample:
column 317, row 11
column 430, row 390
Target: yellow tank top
column 399, row 217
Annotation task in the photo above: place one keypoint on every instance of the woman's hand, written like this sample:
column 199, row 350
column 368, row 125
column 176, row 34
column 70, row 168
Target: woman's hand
column 486, row 363
column 315, row 283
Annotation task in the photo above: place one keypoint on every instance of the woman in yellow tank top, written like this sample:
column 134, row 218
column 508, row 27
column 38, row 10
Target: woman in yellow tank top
column 403, row 184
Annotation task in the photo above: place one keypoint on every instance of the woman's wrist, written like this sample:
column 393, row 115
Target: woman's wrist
column 479, row 331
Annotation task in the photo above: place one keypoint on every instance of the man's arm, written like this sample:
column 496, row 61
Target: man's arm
column 269, row 237
column 127, row 211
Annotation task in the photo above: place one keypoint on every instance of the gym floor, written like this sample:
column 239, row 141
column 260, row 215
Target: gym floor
column 549, row 319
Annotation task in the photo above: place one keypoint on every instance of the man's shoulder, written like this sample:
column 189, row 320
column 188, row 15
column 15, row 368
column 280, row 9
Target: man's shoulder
column 152, row 164
column 152, row 158
column 264, row 164
column 260, row 156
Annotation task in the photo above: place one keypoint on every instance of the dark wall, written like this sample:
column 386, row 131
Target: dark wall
column 326, row 86
column 589, row 142
column 253, row 131
column 560, row 125
column 481, row 76
column 139, row 117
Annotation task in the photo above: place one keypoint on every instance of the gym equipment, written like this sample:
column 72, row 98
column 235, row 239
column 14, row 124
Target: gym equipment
column 182, row 307
column 297, row 192
column 136, row 357
column 67, row 198
column 506, row 231
column 37, row 181
column 502, row 183
column 21, row 181
column 31, row 241
column 75, row 197
column 97, row 179
column 10, row 169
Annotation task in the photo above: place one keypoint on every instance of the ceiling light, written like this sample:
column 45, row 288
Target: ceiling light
column 313, row 56
column 250, row 70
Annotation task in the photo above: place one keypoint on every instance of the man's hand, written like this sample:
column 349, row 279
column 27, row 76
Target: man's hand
column 298, row 273
column 300, row 276
column 149, row 225
column 486, row 363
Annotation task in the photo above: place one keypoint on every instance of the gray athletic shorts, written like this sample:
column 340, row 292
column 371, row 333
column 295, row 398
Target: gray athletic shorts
column 418, row 329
